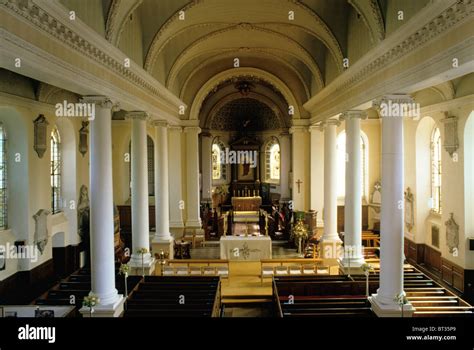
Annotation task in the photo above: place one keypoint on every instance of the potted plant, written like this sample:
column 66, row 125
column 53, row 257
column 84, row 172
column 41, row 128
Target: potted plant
column 124, row 269
column 367, row 268
column 90, row 301
column 143, row 251
column 401, row 300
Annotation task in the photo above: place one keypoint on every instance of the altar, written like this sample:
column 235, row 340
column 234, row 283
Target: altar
column 250, row 248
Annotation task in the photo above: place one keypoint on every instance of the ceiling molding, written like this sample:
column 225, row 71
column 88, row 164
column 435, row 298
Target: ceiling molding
column 326, row 36
column 430, row 26
column 222, row 53
column 372, row 17
column 241, row 72
column 182, row 60
column 119, row 12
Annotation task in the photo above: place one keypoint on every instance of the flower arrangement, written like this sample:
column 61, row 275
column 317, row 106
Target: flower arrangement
column 124, row 270
column 143, row 251
column 90, row 301
column 223, row 190
column 401, row 300
column 300, row 233
column 367, row 268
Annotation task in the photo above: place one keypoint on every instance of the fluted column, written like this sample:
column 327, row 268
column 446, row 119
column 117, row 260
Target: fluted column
column 140, row 212
column 353, row 256
column 102, row 211
column 192, row 180
column 330, row 240
column 384, row 303
column 206, row 165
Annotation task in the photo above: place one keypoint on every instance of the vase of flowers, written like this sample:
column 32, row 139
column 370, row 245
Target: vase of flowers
column 90, row 301
column 124, row 270
column 367, row 268
column 401, row 300
column 300, row 234
column 142, row 252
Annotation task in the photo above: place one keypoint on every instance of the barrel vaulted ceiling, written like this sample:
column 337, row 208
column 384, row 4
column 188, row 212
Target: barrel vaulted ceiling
column 184, row 44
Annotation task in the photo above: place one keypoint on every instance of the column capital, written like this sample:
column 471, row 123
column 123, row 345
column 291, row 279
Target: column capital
column 175, row 128
column 195, row 129
column 298, row 128
column 315, row 127
column 160, row 123
column 141, row 115
column 101, row 101
column 397, row 105
column 351, row 114
column 329, row 122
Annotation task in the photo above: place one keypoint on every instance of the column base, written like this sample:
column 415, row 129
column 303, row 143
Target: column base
column 352, row 267
column 331, row 249
column 136, row 268
column 390, row 310
column 110, row 310
column 165, row 245
column 194, row 224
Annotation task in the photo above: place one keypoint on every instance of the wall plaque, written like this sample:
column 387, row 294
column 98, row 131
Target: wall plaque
column 40, row 134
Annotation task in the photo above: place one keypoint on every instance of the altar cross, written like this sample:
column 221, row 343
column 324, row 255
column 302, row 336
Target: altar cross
column 299, row 182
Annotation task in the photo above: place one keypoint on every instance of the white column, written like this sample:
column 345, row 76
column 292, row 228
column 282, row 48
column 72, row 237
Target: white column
column 206, row 165
column 391, row 220
column 300, row 161
column 163, row 241
column 330, row 182
column 192, row 180
column 162, row 212
column 140, row 210
column 285, row 152
column 317, row 171
column 177, row 205
column 353, row 256
column 102, row 211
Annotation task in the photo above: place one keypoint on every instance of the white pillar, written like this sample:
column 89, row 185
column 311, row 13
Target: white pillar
column 163, row 239
column 192, row 180
column 317, row 171
column 300, row 160
column 140, row 206
column 285, row 152
column 177, row 205
column 206, row 165
column 330, row 181
column 102, row 211
column 391, row 220
column 353, row 256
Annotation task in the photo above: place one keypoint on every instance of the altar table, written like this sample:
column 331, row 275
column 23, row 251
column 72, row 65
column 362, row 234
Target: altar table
column 251, row 248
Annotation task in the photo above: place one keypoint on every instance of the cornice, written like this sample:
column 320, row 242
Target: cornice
column 426, row 25
column 52, row 17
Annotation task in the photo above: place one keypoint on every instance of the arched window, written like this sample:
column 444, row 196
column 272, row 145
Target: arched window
column 55, row 171
column 219, row 169
column 341, row 164
column 150, row 145
column 436, row 170
column 272, row 160
column 3, row 179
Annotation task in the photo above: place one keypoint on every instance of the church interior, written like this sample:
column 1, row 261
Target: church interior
column 218, row 158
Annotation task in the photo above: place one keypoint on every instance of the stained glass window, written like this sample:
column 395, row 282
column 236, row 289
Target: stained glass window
column 219, row 170
column 436, row 170
column 55, row 171
column 272, row 160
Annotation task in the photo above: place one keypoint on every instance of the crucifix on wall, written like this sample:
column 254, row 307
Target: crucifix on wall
column 299, row 182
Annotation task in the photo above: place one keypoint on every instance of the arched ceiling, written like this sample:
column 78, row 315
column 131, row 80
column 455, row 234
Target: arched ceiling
column 185, row 43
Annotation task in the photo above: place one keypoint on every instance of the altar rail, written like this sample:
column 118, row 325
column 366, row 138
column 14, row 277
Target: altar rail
column 196, row 267
column 272, row 267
